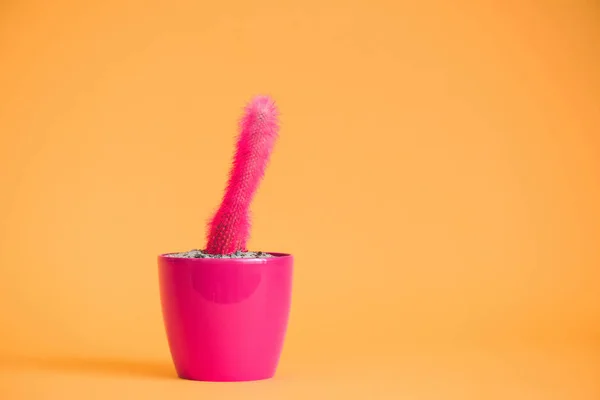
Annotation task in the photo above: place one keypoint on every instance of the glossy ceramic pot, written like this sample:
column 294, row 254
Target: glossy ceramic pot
column 226, row 319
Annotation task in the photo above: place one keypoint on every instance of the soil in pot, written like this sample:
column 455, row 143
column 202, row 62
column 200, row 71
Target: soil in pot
column 202, row 254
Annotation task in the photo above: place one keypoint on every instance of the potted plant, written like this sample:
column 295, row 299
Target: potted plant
column 225, row 308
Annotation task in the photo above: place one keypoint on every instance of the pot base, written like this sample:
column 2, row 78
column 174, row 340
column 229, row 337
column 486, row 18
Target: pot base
column 227, row 379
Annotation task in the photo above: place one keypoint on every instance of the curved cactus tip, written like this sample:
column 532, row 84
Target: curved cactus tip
column 263, row 106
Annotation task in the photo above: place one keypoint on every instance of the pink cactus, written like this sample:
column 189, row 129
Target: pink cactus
column 229, row 229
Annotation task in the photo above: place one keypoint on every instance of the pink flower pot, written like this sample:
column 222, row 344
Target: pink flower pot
column 226, row 319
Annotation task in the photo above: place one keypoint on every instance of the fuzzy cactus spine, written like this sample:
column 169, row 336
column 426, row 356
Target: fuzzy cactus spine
column 228, row 230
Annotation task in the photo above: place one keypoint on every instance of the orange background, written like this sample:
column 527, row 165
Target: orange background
column 437, row 178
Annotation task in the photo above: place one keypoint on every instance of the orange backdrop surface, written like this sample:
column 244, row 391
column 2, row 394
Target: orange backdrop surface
column 437, row 175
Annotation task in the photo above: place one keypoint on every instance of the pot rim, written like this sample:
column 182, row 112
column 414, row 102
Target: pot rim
column 277, row 256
